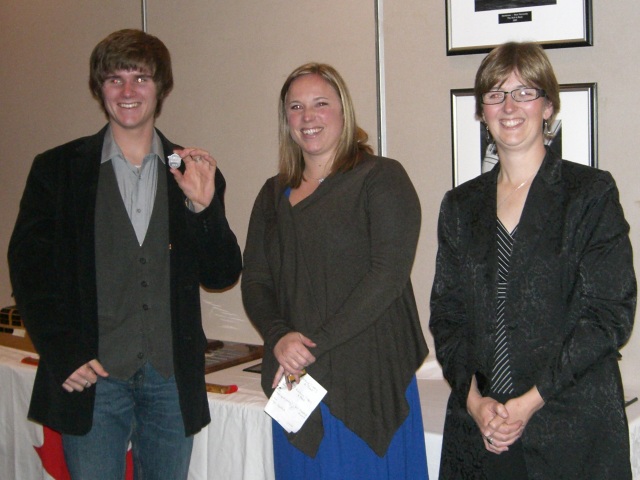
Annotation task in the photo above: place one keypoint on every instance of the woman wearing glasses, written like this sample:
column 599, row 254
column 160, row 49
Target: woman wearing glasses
column 534, row 294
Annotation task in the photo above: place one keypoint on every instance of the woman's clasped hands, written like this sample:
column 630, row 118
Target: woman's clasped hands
column 501, row 425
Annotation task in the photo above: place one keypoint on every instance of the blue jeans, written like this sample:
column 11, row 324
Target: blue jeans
column 143, row 410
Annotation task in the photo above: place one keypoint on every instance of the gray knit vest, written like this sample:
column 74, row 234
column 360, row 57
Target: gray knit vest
column 134, row 306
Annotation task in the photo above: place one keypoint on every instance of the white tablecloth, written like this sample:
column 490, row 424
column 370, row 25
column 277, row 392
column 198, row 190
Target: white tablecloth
column 434, row 393
column 237, row 443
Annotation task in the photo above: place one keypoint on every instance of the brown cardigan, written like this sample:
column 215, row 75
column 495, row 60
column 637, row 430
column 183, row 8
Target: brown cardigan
column 336, row 268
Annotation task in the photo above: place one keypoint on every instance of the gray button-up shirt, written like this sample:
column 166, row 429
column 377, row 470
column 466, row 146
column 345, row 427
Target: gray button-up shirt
column 137, row 184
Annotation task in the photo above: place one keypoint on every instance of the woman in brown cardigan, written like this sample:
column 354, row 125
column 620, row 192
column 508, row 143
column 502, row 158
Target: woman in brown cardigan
column 329, row 253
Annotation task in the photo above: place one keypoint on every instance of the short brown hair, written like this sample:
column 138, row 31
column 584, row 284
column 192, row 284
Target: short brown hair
column 529, row 61
column 131, row 49
column 353, row 140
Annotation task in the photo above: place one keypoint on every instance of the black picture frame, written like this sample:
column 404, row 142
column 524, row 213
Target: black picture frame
column 477, row 26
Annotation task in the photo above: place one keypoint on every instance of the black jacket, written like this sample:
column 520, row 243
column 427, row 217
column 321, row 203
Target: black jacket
column 52, row 269
column 571, row 299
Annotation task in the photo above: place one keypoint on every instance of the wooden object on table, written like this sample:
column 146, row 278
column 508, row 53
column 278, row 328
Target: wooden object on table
column 12, row 331
column 222, row 354
column 224, row 389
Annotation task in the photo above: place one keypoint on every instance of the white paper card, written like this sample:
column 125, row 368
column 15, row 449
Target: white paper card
column 291, row 408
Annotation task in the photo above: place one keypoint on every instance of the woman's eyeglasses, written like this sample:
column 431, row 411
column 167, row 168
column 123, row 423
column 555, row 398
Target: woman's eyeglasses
column 524, row 94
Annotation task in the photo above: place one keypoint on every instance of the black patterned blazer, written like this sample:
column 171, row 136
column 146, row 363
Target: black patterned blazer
column 571, row 297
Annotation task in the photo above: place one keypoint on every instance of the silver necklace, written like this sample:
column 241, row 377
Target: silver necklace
column 319, row 180
column 515, row 190
column 324, row 169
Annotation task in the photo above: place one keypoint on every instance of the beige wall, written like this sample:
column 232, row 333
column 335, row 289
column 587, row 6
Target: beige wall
column 230, row 59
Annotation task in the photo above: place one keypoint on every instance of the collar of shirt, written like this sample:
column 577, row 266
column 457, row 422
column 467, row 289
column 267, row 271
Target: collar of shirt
column 111, row 150
column 137, row 185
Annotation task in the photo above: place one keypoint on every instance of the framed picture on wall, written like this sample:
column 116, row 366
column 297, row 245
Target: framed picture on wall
column 575, row 135
column 476, row 26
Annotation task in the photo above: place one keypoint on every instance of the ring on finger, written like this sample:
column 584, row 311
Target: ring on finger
column 87, row 384
column 490, row 440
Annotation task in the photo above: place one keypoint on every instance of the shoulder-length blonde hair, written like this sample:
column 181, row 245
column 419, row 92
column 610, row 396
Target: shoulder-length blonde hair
column 353, row 140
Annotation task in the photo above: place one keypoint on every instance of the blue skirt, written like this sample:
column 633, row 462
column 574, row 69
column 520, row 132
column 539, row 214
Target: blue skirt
column 343, row 455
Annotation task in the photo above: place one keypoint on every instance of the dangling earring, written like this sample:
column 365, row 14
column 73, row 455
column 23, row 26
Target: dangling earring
column 545, row 129
column 488, row 133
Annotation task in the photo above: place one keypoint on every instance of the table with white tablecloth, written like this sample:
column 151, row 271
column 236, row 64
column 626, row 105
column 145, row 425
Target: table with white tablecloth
column 236, row 445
